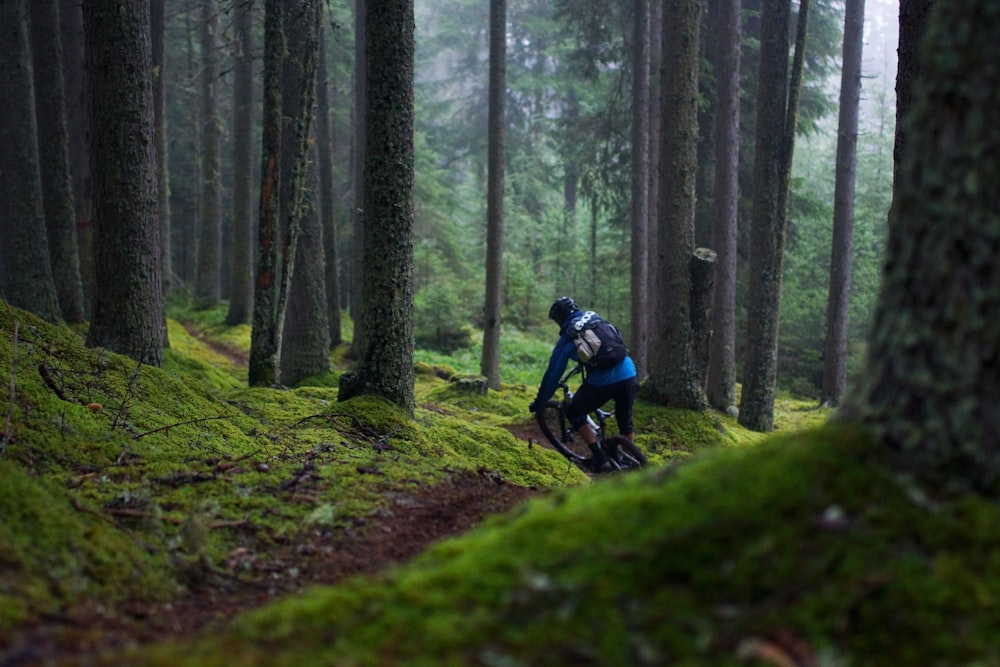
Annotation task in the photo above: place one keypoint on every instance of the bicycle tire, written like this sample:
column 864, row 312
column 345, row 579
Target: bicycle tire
column 629, row 456
column 555, row 426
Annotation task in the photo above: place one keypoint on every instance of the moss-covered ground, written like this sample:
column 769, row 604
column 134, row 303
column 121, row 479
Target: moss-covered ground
column 124, row 485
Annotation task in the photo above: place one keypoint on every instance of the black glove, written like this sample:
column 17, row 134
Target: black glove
column 534, row 406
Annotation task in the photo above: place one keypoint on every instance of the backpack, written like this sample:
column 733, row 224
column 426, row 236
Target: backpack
column 598, row 343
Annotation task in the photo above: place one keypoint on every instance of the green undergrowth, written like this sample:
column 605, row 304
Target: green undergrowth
column 122, row 482
column 803, row 541
column 126, row 482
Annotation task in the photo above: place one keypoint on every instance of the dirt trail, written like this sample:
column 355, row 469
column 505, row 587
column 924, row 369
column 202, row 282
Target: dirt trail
column 415, row 521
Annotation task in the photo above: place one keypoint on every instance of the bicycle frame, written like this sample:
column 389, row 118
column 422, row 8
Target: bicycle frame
column 566, row 432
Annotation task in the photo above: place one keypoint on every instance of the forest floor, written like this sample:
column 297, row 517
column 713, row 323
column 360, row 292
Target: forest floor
column 417, row 520
column 247, row 580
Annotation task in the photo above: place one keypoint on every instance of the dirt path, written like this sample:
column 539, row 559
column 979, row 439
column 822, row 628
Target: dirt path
column 250, row 580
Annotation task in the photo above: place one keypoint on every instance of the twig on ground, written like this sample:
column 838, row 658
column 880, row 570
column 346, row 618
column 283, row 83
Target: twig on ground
column 170, row 426
column 80, row 507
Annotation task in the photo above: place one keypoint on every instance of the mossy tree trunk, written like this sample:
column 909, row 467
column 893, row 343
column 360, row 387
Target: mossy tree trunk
column 291, row 50
column 305, row 339
column 673, row 380
column 777, row 110
column 128, row 299
column 932, row 382
column 386, row 367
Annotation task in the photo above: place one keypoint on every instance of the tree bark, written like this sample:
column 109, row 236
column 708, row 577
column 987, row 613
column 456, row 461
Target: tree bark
column 25, row 271
column 913, row 18
column 932, row 382
column 241, row 276
column 639, row 290
column 77, row 115
column 305, row 340
column 287, row 122
column 386, row 368
column 672, row 380
column 328, row 218
column 208, row 280
column 158, row 36
column 490, row 363
column 721, row 382
column 653, row 205
column 777, row 107
column 835, row 348
column 53, row 155
column 703, row 263
column 357, row 253
column 128, row 299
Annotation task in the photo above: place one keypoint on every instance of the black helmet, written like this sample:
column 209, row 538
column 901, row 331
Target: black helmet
column 561, row 308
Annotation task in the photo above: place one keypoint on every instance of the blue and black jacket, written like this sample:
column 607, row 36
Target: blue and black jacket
column 566, row 350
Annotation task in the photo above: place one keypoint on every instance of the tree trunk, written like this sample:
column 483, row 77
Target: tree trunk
column 77, row 113
column 653, row 205
column 287, row 123
column 328, row 218
column 913, row 17
column 241, row 276
column 358, row 226
column 265, row 337
column 305, row 339
column 776, row 113
column 932, row 382
column 158, row 35
column 386, row 368
column 25, row 271
column 208, row 283
column 702, row 282
column 672, row 380
column 157, row 32
column 721, row 382
column 835, row 349
column 490, row 364
column 639, row 290
column 128, row 299
column 53, row 158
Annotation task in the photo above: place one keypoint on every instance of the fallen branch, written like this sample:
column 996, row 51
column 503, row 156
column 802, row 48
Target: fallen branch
column 43, row 370
column 141, row 514
column 170, row 426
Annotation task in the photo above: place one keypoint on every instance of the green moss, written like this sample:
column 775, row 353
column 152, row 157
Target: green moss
column 807, row 535
column 149, row 481
column 55, row 550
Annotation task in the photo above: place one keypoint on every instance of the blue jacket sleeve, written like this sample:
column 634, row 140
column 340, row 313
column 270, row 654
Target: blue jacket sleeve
column 561, row 354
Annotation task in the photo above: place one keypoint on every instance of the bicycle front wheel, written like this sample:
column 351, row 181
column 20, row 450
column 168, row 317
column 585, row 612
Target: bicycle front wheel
column 557, row 430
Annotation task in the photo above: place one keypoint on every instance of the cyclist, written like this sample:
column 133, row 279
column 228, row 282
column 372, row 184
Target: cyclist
column 619, row 383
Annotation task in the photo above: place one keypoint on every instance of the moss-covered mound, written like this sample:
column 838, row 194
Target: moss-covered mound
column 802, row 551
column 123, row 482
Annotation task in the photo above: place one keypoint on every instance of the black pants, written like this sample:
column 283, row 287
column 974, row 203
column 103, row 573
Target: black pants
column 590, row 397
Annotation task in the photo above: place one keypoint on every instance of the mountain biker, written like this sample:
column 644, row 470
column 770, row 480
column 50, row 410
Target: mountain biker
column 619, row 383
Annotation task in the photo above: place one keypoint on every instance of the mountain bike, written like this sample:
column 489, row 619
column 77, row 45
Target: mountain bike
column 620, row 452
